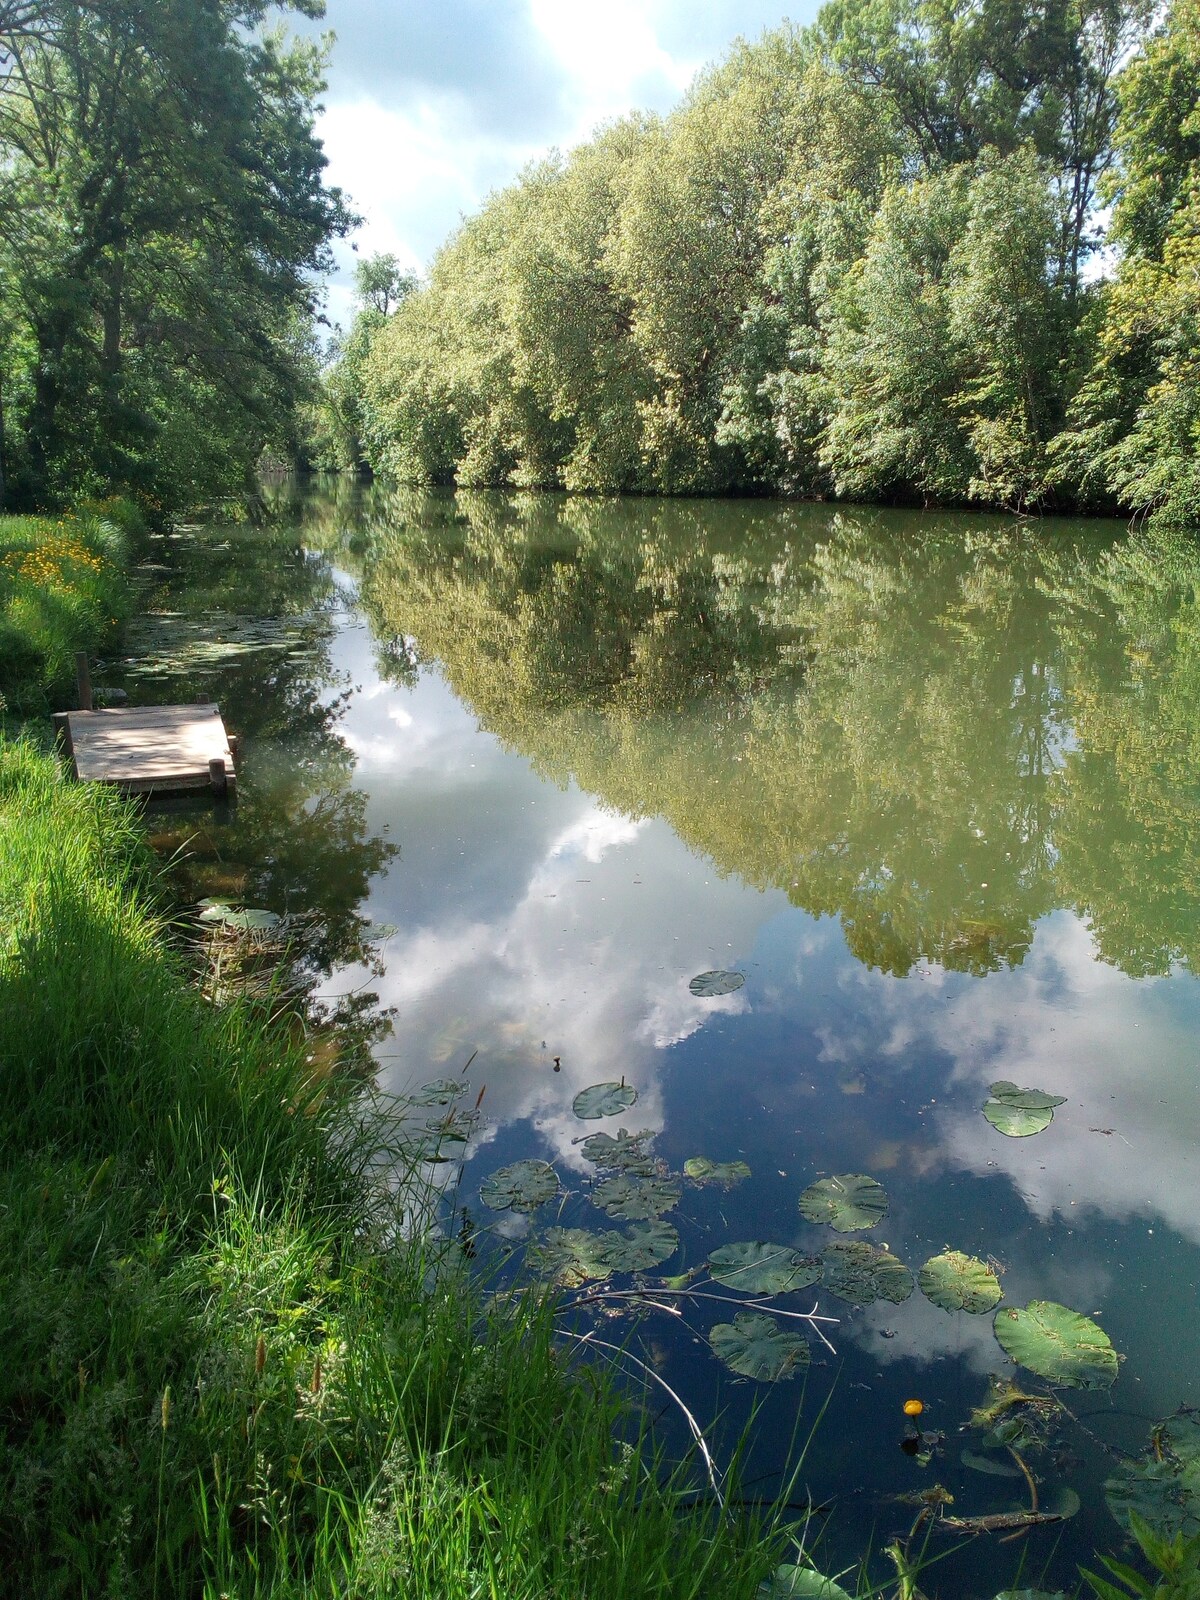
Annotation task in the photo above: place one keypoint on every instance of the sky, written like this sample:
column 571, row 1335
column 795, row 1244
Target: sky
column 434, row 103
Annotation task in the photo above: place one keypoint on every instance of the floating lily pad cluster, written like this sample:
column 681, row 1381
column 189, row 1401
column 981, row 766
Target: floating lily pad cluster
column 1061, row 1345
column 573, row 1256
column 237, row 919
column 758, row 1268
column 1020, row 1112
column 523, row 1186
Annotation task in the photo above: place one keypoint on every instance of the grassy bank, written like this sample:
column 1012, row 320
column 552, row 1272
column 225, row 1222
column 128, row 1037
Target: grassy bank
column 218, row 1376
column 62, row 589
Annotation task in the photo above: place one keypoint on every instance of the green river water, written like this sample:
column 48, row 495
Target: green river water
column 518, row 769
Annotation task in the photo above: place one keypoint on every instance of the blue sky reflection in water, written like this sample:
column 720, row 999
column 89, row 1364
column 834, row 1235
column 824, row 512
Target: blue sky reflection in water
column 961, row 701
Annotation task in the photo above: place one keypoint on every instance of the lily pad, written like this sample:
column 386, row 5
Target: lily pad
column 1018, row 1122
column 994, row 1466
column 241, row 920
column 523, row 1186
column 759, row 1268
column 442, row 1143
column 708, row 985
column 624, row 1153
column 701, row 1170
column 847, row 1202
column 862, row 1273
column 1059, row 1344
column 603, row 1100
column 571, row 1256
column 1026, row 1099
column 440, row 1092
column 958, row 1282
column 800, row 1583
column 644, row 1245
column 1062, row 1501
column 757, row 1347
column 1163, row 1485
column 1030, row 1594
column 635, row 1199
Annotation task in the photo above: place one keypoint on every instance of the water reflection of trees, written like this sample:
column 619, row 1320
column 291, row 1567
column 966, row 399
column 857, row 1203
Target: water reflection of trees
column 299, row 842
column 936, row 728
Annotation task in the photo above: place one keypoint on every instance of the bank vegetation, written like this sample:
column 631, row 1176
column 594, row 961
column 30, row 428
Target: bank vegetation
column 914, row 253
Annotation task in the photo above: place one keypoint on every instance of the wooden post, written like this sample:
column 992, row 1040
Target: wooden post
column 83, row 681
column 218, row 777
column 62, row 730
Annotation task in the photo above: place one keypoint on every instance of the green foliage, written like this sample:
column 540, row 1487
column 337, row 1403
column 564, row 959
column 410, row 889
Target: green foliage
column 1176, row 1561
column 676, row 662
column 1136, row 418
column 854, row 259
column 1058, row 1344
column 958, row 1282
column 847, row 1202
column 219, row 1373
column 162, row 216
column 62, row 589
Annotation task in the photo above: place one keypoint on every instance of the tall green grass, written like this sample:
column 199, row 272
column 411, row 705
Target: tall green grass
column 62, row 589
column 226, row 1366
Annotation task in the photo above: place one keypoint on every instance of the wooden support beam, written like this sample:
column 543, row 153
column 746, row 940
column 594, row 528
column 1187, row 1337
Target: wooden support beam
column 83, row 681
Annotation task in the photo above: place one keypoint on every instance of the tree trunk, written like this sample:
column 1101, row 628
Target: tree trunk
column 3, row 446
column 112, row 318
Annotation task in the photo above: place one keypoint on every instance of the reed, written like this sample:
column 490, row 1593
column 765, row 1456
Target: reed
column 228, row 1367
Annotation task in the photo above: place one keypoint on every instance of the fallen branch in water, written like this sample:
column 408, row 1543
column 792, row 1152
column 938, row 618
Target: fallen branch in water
column 694, row 1426
column 997, row 1521
column 654, row 1297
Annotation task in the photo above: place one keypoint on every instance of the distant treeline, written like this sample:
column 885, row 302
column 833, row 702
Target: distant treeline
column 925, row 250
column 163, row 222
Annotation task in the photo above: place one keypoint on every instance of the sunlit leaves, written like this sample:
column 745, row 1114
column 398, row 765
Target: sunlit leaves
column 757, row 1347
column 848, row 1202
column 635, row 1198
column 700, row 1169
column 603, row 1100
column 758, row 1268
column 1058, row 1344
column 862, row 1273
column 521, row 1186
column 958, row 1282
column 1018, row 1113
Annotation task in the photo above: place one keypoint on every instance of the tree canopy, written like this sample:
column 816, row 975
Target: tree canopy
column 925, row 250
column 163, row 219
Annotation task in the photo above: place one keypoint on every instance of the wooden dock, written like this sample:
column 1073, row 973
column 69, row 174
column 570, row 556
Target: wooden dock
column 152, row 748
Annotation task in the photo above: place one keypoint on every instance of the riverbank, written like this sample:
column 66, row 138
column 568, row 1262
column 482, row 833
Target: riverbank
column 218, row 1374
column 63, row 588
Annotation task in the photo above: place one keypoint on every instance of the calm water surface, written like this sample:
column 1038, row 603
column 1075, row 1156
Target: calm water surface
column 521, row 768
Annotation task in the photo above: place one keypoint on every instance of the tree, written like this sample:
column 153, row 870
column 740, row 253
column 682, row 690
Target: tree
column 162, row 216
column 1136, row 430
column 332, row 425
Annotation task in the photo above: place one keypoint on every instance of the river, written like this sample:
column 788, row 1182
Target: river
column 519, row 769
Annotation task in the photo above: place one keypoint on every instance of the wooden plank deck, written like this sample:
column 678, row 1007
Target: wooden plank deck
column 144, row 748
